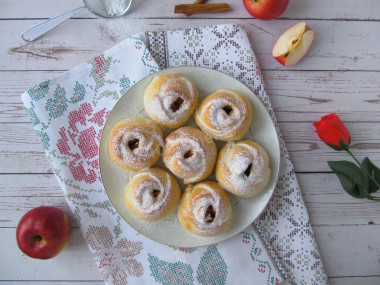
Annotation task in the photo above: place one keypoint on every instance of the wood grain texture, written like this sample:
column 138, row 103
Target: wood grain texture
column 74, row 263
column 299, row 9
column 347, row 252
column 66, row 47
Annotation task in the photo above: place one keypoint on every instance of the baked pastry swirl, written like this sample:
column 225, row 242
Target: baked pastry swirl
column 242, row 168
column 135, row 143
column 205, row 209
column 170, row 99
column 224, row 115
column 190, row 154
column 152, row 194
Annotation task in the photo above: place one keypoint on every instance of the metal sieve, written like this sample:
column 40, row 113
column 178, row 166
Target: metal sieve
column 100, row 8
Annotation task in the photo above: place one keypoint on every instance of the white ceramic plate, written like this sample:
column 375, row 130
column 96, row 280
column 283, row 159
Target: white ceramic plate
column 169, row 231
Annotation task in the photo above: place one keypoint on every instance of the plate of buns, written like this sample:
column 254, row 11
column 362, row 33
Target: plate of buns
column 189, row 156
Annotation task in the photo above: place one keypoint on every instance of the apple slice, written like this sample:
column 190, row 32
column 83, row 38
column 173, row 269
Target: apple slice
column 293, row 44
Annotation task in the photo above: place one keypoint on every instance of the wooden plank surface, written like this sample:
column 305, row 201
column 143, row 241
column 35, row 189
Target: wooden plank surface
column 304, row 9
column 66, row 47
column 74, row 263
column 339, row 74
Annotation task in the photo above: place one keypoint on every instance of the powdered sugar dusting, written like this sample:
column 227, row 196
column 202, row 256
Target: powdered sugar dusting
column 174, row 88
column 223, row 114
column 148, row 143
column 142, row 195
column 206, row 200
column 246, row 166
column 200, row 208
column 193, row 167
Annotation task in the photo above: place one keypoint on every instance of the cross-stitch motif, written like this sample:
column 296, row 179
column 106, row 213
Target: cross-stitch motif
column 164, row 272
column 83, row 136
column 115, row 257
column 39, row 91
column 212, row 269
column 264, row 266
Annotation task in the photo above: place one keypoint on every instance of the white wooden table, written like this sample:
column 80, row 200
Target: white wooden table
column 341, row 73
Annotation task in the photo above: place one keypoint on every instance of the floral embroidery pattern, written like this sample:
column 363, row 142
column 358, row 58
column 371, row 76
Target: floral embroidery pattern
column 170, row 273
column 80, row 142
column 57, row 105
column 264, row 267
column 212, row 269
column 115, row 259
column 39, row 91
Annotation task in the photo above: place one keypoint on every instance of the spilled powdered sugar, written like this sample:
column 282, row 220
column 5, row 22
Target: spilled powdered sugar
column 118, row 29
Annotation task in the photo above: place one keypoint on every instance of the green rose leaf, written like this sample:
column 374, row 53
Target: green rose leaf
column 374, row 172
column 351, row 177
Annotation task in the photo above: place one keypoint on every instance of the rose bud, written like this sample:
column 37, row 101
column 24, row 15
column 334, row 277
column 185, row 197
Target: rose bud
column 333, row 132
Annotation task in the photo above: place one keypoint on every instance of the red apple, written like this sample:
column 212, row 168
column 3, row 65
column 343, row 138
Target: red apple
column 266, row 9
column 43, row 232
column 293, row 44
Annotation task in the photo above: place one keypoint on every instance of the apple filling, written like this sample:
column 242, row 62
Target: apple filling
column 155, row 193
column 227, row 109
column 210, row 214
column 132, row 144
column 188, row 154
column 176, row 104
column 248, row 170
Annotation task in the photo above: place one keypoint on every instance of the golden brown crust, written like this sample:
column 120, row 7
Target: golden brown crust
column 205, row 209
column 190, row 154
column 170, row 99
column 242, row 168
column 134, row 144
column 224, row 115
column 152, row 194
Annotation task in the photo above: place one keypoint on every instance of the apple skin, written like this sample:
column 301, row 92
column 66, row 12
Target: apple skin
column 43, row 232
column 266, row 9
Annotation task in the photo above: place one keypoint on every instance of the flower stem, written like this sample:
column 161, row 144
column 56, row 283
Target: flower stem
column 373, row 198
column 364, row 170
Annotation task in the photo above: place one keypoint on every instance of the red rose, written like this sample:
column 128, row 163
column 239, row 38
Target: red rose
column 333, row 132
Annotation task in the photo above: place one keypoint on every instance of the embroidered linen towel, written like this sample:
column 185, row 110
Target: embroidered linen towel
column 68, row 113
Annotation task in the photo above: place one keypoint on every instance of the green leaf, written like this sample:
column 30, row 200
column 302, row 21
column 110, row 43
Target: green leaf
column 353, row 181
column 374, row 172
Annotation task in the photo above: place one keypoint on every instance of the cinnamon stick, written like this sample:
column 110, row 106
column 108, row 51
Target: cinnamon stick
column 197, row 2
column 201, row 8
